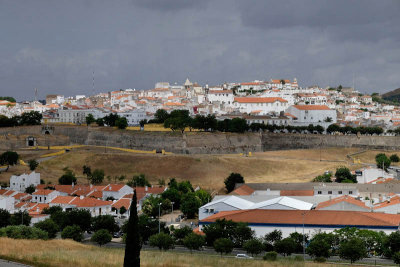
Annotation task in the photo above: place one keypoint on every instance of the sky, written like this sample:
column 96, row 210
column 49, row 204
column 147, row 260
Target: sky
column 55, row 46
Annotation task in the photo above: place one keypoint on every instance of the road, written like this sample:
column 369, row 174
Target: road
column 5, row 263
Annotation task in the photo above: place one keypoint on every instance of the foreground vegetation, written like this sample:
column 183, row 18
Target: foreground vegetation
column 69, row 253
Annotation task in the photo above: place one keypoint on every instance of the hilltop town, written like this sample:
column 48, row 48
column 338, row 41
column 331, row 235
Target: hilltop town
column 274, row 102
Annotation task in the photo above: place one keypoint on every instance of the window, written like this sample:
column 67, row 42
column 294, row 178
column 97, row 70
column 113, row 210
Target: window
column 329, row 192
column 340, row 192
column 350, row 192
column 319, row 192
column 211, row 210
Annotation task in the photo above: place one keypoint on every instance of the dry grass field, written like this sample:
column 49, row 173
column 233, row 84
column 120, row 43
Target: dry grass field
column 67, row 253
column 207, row 171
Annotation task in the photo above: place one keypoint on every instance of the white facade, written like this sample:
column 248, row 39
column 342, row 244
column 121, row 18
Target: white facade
column 116, row 191
column 368, row 175
column 21, row 182
column 7, row 203
column 44, row 196
column 260, row 105
column 134, row 116
column 222, row 96
column 312, row 114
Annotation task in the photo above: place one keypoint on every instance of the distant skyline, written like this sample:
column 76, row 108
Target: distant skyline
column 56, row 45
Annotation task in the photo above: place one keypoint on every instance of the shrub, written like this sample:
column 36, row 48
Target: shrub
column 23, row 232
column 298, row 258
column 394, row 158
column 162, row 240
column 223, row 245
column 48, row 226
column 320, row 259
column 101, row 237
column 72, row 232
column 270, row 256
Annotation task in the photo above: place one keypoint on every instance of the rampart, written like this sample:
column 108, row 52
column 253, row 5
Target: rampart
column 186, row 143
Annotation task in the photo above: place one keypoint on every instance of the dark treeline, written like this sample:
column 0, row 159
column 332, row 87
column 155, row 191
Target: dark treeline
column 27, row 118
column 354, row 130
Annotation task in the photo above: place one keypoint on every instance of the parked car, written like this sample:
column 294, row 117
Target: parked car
column 243, row 256
column 117, row 234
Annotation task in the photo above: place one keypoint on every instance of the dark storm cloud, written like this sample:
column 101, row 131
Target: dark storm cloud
column 56, row 45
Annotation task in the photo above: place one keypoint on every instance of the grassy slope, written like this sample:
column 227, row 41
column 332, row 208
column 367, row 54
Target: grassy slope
column 207, row 171
column 67, row 253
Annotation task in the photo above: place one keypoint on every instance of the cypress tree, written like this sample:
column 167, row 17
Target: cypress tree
column 133, row 246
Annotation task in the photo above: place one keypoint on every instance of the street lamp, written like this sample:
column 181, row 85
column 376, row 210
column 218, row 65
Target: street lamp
column 159, row 215
column 304, row 241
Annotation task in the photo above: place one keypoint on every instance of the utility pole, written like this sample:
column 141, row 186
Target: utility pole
column 159, row 215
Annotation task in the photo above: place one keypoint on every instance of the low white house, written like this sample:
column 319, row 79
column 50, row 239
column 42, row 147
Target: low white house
column 95, row 206
column 21, row 182
column 222, row 96
column 312, row 114
column 260, row 105
column 44, row 195
column 370, row 174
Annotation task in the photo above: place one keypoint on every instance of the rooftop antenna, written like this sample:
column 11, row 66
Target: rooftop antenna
column 93, row 82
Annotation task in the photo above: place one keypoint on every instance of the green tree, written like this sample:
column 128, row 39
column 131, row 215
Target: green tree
column 382, row 161
column 48, row 226
column 31, row 118
column 133, row 243
column 80, row 217
column 178, row 120
column 318, row 247
column 220, row 229
column 392, row 244
column 203, row 195
column 97, row 176
column 190, row 205
column 232, row 180
column 162, row 240
column 5, row 218
column 254, row 246
column 121, row 123
column 353, row 250
column 394, row 158
column 285, row 246
column 30, row 189
column 8, row 98
column 122, row 210
column 173, row 195
column 111, row 119
column 100, row 122
column 298, row 239
column 106, row 222
column 194, row 241
column 343, row 173
column 67, row 178
column 238, row 125
column 273, row 237
column 241, row 234
column 396, row 258
column 21, row 217
column 139, row 181
column 88, row 172
column 90, row 119
column 33, row 164
column 161, row 116
column 101, row 237
column 223, row 245
column 73, row 232
column 181, row 233
column 9, row 158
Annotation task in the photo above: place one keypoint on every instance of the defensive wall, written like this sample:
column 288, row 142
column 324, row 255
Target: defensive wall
column 186, row 143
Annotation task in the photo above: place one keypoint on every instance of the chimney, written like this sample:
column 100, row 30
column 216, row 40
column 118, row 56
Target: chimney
column 91, row 186
column 37, row 209
column 80, row 197
column 73, row 185
column 146, row 188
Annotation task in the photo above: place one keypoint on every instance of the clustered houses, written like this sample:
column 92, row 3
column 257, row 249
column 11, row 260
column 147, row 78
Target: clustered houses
column 311, row 207
column 256, row 99
column 97, row 199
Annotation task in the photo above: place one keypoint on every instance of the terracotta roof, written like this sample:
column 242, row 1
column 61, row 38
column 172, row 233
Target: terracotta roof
column 337, row 200
column 243, row 190
column 297, row 192
column 220, row 92
column 393, row 201
column 198, row 232
column 253, row 83
column 96, row 194
column 62, row 200
column 312, row 107
column 113, row 187
column 141, row 191
column 259, row 99
column 89, row 202
column 20, row 196
column 123, row 202
column 312, row 217
column 44, row 192
column 37, row 209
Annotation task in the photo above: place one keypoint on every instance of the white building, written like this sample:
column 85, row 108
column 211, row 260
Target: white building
column 44, row 195
column 221, row 96
column 260, row 105
column 7, row 203
column 312, row 114
column 95, row 206
column 370, row 174
column 134, row 116
column 21, row 182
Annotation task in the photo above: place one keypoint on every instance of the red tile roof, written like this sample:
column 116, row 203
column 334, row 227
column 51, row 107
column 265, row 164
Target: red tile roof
column 89, row 202
column 62, row 200
column 123, row 202
column 312, row 217
column 113, row 187
column 393, row 201
column 312, row 107
column 243, row 190
column 43, row 192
